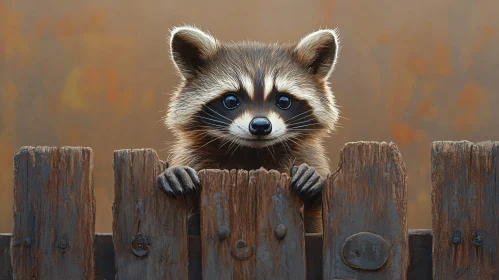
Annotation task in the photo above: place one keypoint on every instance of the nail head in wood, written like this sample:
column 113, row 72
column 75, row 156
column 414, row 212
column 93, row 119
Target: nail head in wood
column 27, row 242
column 456, row 236
column 478, row 240
column 223, row 233
column 365, row 250
column 63, row 245
column 280, row 232
column 140, row 245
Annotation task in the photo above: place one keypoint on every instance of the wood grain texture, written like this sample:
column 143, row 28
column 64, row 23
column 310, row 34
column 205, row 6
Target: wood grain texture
column 465, row 202
column 54, row 213
column 419, row 243
column 141, row 207
column 367, row 193
column 250, row 205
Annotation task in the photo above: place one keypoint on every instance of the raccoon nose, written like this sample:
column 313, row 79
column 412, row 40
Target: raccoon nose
column 260, row 126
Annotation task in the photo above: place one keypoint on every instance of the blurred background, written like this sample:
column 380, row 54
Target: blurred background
column 97, row 73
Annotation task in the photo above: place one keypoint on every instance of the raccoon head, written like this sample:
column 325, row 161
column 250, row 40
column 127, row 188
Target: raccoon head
column 250, row 93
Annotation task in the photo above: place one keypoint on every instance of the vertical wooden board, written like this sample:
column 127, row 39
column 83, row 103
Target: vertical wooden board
column 216, row 260
column 250, row 205
column 367, row 193
column 243, row 225
column 54, row 214
column 465, row 205
column 280, row 215
column 149, row 228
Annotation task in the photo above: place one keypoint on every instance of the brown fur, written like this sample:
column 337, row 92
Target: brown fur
column 258, row 74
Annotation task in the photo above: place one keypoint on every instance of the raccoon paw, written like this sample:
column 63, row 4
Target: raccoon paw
column 306, row 182
column 179, row 181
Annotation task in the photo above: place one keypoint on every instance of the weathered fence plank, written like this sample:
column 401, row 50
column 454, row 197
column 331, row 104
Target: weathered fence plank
column 54, row 213
column 251, row 226
column 365, row 204
column 465, row 208
column 149, row 228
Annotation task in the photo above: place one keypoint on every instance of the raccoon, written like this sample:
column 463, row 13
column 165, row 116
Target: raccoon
column 247, row 105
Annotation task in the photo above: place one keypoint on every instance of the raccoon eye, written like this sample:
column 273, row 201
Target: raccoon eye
column 283, row 102
column 231, row 101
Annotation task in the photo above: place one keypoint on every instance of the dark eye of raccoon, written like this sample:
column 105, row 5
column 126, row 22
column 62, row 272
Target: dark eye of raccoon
column 231, row 101
column 283, row 102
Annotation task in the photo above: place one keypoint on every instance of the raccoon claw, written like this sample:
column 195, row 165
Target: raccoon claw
column 305, row 181
column 179, row 181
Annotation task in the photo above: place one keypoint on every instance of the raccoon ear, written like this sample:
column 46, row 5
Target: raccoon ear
column 190, row 49
column 318, row 51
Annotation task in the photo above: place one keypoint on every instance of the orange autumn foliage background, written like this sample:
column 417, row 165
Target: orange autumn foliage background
column 97, row 73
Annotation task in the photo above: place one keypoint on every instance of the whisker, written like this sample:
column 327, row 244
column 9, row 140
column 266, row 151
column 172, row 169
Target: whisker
column 237, row 147
column 214, row 139
column 305, row 125
column 303, row 117
column 284, row 144
column 270, row 152
column 305, row 121
column 233, row 142
column 214, row 120
column 298, row 115
column 218, row 113
column 306, row 129
column 202, row 110
column 294, row 141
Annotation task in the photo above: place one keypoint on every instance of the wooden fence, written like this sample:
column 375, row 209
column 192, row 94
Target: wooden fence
column 251, row 225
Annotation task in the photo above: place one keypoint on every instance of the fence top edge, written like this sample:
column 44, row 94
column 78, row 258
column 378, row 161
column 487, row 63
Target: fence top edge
column 467, row 142
column 134, row 150
column 369, row 142
column 261, row 169
column 420, row 232
column 27, row 149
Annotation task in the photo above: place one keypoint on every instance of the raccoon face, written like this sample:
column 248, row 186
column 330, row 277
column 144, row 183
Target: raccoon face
column 252, row 94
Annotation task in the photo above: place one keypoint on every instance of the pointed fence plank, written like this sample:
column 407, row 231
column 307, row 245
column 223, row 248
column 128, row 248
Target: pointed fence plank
column 54, row 214
column 251, row 226
column 365, row 205
column 465, row 208
column 149, row 228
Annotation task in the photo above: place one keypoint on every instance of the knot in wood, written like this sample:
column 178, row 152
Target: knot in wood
column 63, row 245
column 280, row 232
column 140, row 245
column 240, row 244
column 242, row 252
column 365, row 250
